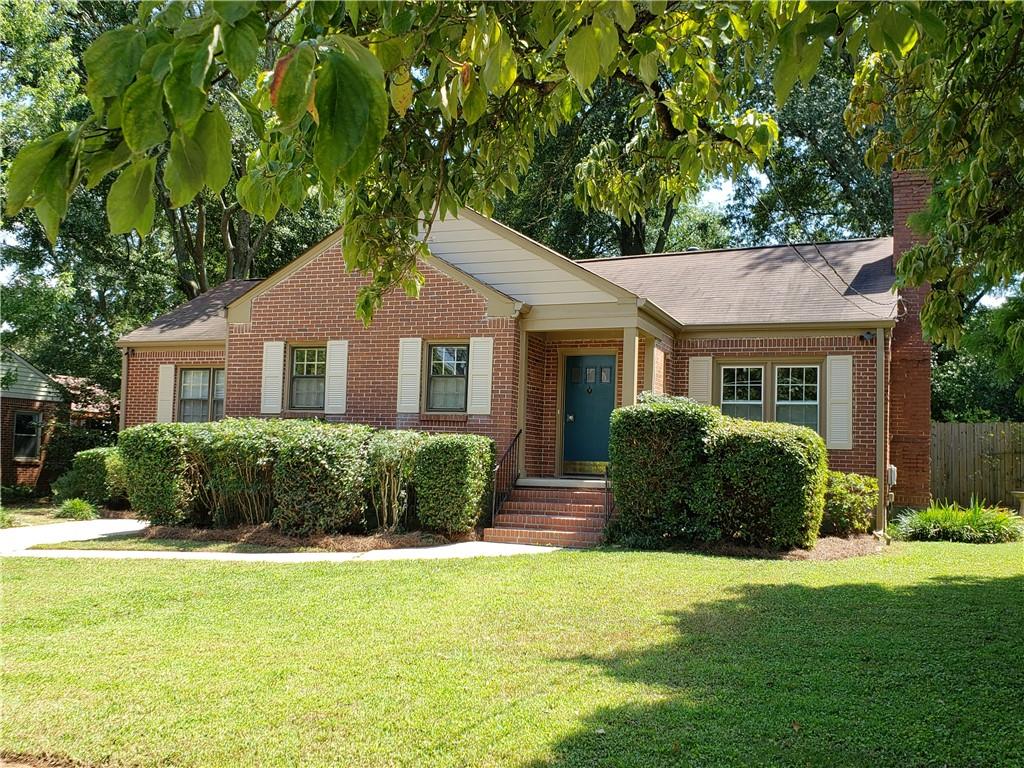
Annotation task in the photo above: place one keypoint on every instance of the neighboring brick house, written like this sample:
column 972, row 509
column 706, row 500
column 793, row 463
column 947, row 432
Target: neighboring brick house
column 508, row 336
column 28, row 404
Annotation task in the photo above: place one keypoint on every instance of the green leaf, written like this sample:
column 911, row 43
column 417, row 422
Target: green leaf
column 157, row 60
column 624, row 14
column 809, row 61
column 740, row 25
column 241, row 49
column 112, row 60
column 142, row 115
column 259, row 196
column 353, row 107
column 582, row 59
column 255, row 116
column 500, row 69
column 474, row 102
column 185, row 169
column 401, row 90
column 787, row 68
column 233, row 10
column 213, row 134
column 649, row 68
column 50, row 220
column 99, row 164
column 130, row 202
column 185, row 99
column 292, row 85
column 28, row 165
column 607, row 39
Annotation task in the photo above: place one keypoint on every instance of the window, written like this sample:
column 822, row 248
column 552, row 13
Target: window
column 309, row 373
column 743, row 392
column 447, row 373
column 28, row 430
column 201, row 394
column 796, row 395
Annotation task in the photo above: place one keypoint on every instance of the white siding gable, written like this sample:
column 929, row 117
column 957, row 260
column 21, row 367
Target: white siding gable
column 29, row 383
column 509, row 267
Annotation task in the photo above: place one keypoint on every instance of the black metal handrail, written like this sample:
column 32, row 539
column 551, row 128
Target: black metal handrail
column 609, row 496
column 505, row 474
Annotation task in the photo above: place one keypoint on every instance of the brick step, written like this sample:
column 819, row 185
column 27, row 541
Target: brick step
column 549, row 522
column 561, row 495
column 554, row 508
column 543, row 538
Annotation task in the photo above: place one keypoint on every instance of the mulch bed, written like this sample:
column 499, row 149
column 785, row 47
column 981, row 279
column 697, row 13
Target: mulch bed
column 16, row 760
column 266, row 536
column 827, row 548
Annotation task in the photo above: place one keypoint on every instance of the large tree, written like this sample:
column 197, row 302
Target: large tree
column 471, row 87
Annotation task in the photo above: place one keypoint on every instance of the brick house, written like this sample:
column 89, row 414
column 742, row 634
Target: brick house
column 510, row 338
column 28, row 405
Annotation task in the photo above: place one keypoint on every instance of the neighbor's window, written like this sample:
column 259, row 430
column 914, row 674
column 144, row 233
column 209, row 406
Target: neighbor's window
column 796, row 395
column 743, row 392
column 28, row 430
column 309, row 375
column 447, row 374
column 201, row 394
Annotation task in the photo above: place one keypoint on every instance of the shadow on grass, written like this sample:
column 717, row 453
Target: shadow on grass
column 850, row 675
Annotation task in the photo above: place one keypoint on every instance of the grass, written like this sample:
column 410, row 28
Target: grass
column 137, row 541
column 32, row 513
column 601, row 658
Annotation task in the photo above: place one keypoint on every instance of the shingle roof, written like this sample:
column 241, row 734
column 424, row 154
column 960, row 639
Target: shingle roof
column 774, row 284
column 202, row 319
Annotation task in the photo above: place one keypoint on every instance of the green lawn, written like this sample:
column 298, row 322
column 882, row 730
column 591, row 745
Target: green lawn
column 32, row 514
column 602, row 658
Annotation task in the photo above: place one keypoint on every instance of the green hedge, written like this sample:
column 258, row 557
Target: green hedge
column 162, row 482
column 764, row 484
column 850, row 503
column 452, row 479
column 320, row 478
column 96, row 475
column 656, row 448
column 392, row 459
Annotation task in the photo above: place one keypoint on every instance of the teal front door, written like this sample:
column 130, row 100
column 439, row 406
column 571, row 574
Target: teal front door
column 589, row 400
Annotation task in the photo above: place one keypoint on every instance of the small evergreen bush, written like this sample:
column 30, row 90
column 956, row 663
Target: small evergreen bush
column 76, row 509
column 764, row 484
column 320, row 478
column 96, row 475
column 452, row 478
column 975, row 524
column 850, row 503
column 162, row 484
column 6, row 520
column 656, row 448
column 392, row 457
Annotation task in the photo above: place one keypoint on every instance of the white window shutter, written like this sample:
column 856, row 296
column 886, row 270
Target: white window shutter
column 165, row 393
column 409, row 370
column 700, row 380
column 337, row 377
column 272, row 387
column 839, row 388
column 481, row 358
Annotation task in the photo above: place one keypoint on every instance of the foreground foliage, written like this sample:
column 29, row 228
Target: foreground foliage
column 76, row 509
column 567, row 659
column 974, row 524
column 851, row 500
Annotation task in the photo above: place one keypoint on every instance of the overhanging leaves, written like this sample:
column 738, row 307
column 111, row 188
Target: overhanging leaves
column 130, row 203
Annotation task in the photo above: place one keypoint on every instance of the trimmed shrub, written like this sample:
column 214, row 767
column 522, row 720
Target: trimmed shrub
column 656, row 448
column 68, row 440
column 162, row 485
column 392, row 458
column 16, row 493
column 452, row 478
column 96, row 475
column 850, row 503
column 975, row 524
column 764, row 484
column 76, row 509
column 320, row 478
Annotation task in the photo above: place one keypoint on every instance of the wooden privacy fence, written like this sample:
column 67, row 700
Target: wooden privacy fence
column 981, row 460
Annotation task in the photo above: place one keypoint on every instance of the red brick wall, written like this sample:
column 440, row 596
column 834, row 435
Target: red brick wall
column 143, row 370
column 910, row 379
column 23, row 471
column 316, row 304
column 861, row 458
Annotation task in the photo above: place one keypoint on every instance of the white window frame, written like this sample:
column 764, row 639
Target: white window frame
column 37, row 417
column 721, row 387
column 776, row 402
column 292, row 376
column 210, row 392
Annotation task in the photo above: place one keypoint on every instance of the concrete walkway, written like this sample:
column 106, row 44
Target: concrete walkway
column 16, row 542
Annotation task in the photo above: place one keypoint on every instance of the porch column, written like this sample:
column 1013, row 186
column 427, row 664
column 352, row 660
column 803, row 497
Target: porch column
column 629, row 355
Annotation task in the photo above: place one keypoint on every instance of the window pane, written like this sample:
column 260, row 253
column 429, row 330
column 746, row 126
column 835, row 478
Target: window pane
column 308, row 393
column 26, row 446
column 741, row 385
column 796, row 385
column 27, row 423
column 447, row 394
column 218, row 395
column 801, row 415
column 195, row 384
column 194, row 410
column 751, row 411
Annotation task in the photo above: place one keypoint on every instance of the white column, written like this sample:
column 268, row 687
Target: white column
column 629, row 358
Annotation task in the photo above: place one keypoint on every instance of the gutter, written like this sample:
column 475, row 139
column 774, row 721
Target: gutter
column 880, row 433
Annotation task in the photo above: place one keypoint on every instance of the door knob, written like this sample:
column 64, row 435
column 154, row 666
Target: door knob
column 570, row 418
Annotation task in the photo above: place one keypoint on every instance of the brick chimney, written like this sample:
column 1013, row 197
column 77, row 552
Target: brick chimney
column 909, row 397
